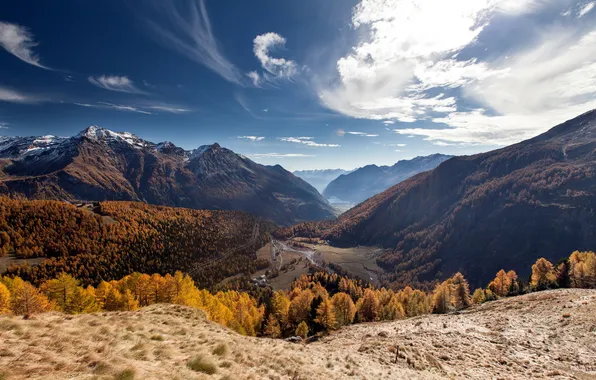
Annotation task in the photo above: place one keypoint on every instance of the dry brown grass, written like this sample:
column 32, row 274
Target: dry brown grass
column 518, row 338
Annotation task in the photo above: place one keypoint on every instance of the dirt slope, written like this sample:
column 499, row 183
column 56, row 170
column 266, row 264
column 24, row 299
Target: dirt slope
column 543, row 335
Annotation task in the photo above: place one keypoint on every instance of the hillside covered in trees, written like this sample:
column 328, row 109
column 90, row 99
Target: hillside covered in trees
column 477, row 214
column 118, row 238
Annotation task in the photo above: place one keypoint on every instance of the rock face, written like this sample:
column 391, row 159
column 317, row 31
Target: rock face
column 370, row 180
column 478, row 214
column 99, row 164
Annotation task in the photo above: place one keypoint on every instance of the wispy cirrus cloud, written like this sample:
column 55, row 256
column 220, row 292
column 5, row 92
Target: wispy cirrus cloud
column 308, row 141
column 185, row 27
column 170, row 109
column 4, row 125
column 363, row 134
column 118, row 107
column 115, row 83
column 14, row 96
column 279, row 155
column 251, row 138
column 586, row 9
column 18, row 41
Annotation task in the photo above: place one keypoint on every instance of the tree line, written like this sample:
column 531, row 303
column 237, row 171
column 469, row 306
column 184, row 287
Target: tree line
column 316, row 303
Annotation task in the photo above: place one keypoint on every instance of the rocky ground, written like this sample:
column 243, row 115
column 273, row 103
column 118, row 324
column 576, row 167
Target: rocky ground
column 549, row 335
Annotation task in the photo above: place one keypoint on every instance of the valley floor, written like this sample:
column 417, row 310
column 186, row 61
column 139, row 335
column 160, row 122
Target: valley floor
column 549, row 334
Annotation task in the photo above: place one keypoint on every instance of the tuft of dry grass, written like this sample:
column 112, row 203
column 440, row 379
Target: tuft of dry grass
column 127, row 374
column 201, row 364
column 220, row 350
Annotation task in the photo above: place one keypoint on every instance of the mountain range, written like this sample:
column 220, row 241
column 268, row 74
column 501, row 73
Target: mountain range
column 99, row 164
column 365, row 182
column 481, row 213
column 319, row 179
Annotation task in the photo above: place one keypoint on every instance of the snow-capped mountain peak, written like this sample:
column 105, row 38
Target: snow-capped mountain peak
column 96, row 133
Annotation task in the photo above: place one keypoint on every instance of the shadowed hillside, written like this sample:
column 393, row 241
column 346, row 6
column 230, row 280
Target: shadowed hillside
column 477, row 214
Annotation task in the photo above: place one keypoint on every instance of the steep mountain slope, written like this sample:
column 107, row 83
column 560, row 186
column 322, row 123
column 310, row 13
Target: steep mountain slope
column 370, row 180
column 109, row 240
column 99, row 164
column 539, row 335
column 478, row 214
column 319, row 179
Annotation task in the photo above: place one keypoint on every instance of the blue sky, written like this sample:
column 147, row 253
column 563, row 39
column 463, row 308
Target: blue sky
column 307, row 84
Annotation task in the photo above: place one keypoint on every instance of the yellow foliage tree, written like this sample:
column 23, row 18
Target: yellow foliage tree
column 543, row 274
column 326, row 314
column 299, row 310
column 26, row 299
column 478, row 297
column 4, row 299
column 582, row 269
column 344, row 309
column 61, row 291
column 272, row 328
column 442, row 298
column 302, row 330
column 392, row 310
column 280, row 307
column 369, row 307
column 460, row 294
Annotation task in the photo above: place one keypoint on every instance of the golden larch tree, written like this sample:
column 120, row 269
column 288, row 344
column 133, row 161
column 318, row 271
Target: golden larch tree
column 543, row 274
column 326, row 315
column 344, row 309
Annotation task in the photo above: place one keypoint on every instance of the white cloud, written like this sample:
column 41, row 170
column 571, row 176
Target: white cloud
column 189, row 33
column 308, row 141
column 410, row 51
column 364, row 134
column 586, row 8
column 274, row 68
column 279, row 155
column 399, row 145
column 279, row 67
column 12, row 96
column 115, row 83
column 441, row 143
column 255, row 78
column 4, row 125
column 170, row 109
column 18, row 41
column 252, row 138
column 118, row 107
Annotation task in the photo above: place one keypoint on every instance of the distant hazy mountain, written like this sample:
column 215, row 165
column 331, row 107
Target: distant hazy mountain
column 478, row 214
column 319, row 179
column 99, row 164
column 370, row 180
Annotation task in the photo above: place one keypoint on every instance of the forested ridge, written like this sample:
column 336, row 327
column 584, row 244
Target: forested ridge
column 479, row 213
column 118, row 238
